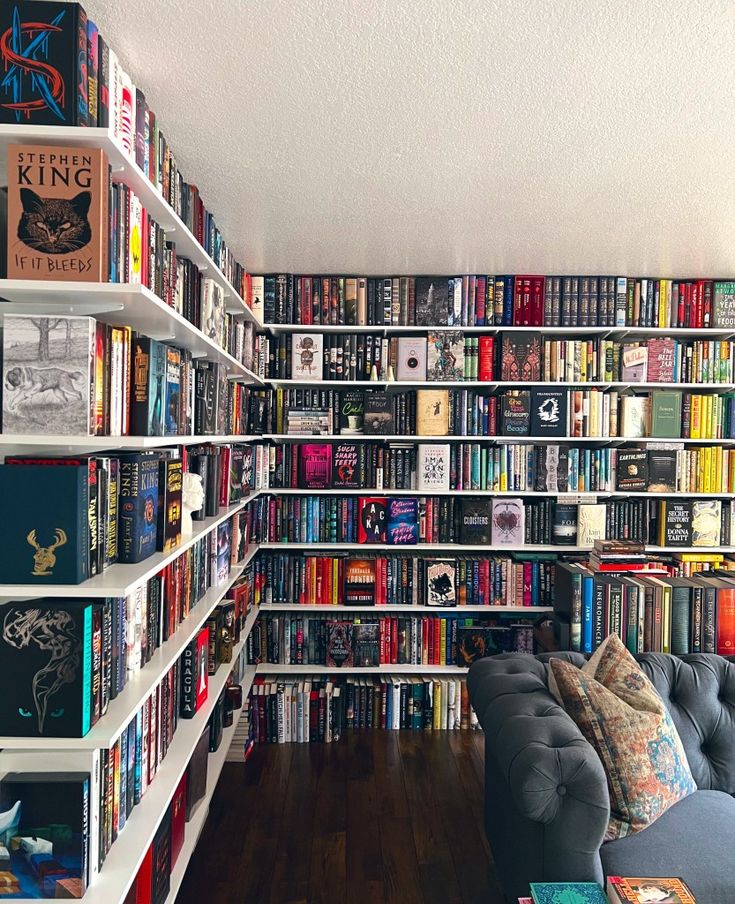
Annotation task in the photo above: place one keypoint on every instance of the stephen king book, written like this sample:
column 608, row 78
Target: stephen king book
column 346, row 467
column 48, row 372
column 432, row 301
column 378, row 412
column 474, row 521
column 149, row 387
column 359, row 582
column 47, row 816
column 170, row 482
column 45, row 79
column 138, row 507
column 46, row 668
column 441, row 580
column 44, row 512
column 339, row 644
column 372, row 519
column 315, row 466
column 57, row 213
column 521, row 355
column 403, row 521
column 508, row 522
column 445, row 355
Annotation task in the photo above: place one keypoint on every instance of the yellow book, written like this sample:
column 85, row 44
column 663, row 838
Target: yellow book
column 443, row 653
column 437, row 705
column 707, row 486
column 694, row 427
column 335, row 582
column 666, row 616
column 662, row 523
column 663, row 304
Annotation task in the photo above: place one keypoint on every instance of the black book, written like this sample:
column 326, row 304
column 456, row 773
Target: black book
column 677, row 523
column 520, row 357
column 348, row 465
column 46, row 665
column 161, row 859
column 366, row 644
column 474, row 521
column 552, row 468
column 432, row 301
column 632, row 470
column 196, row 776
column 662, row 470
column 477, row 642
column 549, row 412
column 170, row 483
column 205, row 400
column 515, row 413
column 564, row 527
column 378, row 412
column 351, row 411
column 48, row 85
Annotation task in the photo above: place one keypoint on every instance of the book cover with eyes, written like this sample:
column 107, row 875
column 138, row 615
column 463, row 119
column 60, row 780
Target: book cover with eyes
column 58, row 221
column 46, row 668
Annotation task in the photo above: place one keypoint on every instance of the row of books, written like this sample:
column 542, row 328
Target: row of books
column 477, row 300
column 365, row 642
column 496, row 522
column 70, row 518
column 404, row 579
column 319, row 711
column 450, row 355
column 537, row 412
column 100, row 93
column 650, row 611
column 514, row 467
column 71, row 375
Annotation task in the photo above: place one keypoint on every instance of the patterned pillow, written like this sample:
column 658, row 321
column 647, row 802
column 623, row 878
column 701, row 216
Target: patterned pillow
column 622, row 716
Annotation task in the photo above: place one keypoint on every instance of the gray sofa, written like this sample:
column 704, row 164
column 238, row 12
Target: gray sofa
column 546, row 798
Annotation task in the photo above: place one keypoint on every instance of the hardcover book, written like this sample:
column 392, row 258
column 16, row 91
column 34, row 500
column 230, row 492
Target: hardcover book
column 194, row 674
column 649, row 890
column 149, row 387
column 345, row 466
column 666, row 414
column 474, row 521
column 723, row 311
column 339, row 644
column 432, row 301
column 478, row 641
column 564, row 528
column 57, row 212
column 161, row 848
column 371, row 525
column 402, row 521
column 138, row 507
column 206, row 382
column 351, row 411
column 378, row 412
column 366, row 644
column 307, row 356
column 635, row 416
column 706, row 522
column 432, row 467
column 196, row 776
column 44, row 513
column 359, row 582
column 213, row 311
column 676, row 523
column 224, row 550
column 445, row 355
column 515, row 413
column 441, row 582
column 173, row 392
column 46, row 819
column 591, row 524
column 632, row 470
column 661, row 359
column 508, row 522
column 635, row 363
column 520, row 359
column 48, row 371
column 432, row 412
column 315, row 466
column 549, row 412
column 564, row 892
column 46, row 668
column 552, row 470
column 170, row 483
column 661, row 470
column 411, row 358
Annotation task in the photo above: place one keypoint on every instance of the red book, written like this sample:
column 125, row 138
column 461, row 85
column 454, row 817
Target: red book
column 485, row 358
column 536, row 285
column 480, row 300
column 372, row 519
column 202, row 667
column 178, row 819
column 144, row 879
column 726, row 621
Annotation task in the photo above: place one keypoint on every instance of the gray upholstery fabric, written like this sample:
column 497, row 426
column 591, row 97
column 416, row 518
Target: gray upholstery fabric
column 695, row 839
column 547, row 802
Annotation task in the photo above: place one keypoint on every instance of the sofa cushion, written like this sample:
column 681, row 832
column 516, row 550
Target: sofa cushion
column 694, row 840
column 622, row 716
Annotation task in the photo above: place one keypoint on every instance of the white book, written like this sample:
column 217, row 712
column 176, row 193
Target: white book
column 451, row 704
column 445, row 702
column 411, row 361
column 432, row 467
column 307, row 356
column 257, row 294
column 590, row 524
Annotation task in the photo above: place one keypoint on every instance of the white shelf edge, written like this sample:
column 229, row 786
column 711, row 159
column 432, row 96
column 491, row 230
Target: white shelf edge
column 120, row 580
column 605, row 331
column 413, row 439
column 266, row 669
column 553, row 494
column 113, row 443
column 494, row 384
column 462, row 548
column 126, row 169
column 317, row 608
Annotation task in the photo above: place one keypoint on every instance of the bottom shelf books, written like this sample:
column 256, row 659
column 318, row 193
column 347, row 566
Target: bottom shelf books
column 369, row 641
column 320, row 710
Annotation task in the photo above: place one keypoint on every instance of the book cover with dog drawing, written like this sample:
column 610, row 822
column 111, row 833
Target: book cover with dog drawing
column 58, row 221
column 48, row 375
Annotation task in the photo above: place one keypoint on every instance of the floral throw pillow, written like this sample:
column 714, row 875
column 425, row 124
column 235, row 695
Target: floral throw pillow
column 620, row 713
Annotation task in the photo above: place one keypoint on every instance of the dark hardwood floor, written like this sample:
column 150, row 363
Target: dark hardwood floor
column 382, row 816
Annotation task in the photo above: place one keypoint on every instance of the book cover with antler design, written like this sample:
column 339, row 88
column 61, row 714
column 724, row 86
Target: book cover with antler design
column 46, row 668
column 45, row 535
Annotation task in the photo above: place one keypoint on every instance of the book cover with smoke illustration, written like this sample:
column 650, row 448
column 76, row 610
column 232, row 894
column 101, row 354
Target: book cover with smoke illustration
column 46, row 668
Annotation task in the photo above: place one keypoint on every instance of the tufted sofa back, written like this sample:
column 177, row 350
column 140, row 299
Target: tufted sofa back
column 699, row 691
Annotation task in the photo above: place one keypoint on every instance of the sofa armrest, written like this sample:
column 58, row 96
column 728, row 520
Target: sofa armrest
column 553, row 776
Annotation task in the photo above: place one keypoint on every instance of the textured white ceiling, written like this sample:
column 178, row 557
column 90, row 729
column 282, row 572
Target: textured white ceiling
column 457, row 136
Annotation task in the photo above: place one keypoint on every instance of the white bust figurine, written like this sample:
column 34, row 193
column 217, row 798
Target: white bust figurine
column 192, row 499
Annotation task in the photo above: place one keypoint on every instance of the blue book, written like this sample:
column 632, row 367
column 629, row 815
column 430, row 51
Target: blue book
column 138, row 507
column 567, row 893
column 588, row 592
column 403, row 522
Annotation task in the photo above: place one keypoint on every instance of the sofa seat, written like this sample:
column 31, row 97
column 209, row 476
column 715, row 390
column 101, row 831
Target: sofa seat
column 694, row 840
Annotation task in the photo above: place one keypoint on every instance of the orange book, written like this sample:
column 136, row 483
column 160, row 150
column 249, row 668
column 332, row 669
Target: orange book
column 726, row 620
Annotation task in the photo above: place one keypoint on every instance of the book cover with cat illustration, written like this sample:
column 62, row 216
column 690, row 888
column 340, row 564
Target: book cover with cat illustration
column 48, row 375
column 57, row 213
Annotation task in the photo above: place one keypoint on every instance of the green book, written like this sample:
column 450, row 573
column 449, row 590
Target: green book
column 567, row 893
column 666, row 414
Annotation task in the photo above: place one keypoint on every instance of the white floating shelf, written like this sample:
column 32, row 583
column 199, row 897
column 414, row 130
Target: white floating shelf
column 603, row 331
column 372, row 491
column 118, row 304
column 126, row 170
column 491, row 384
column 127, row 852
column 412, row 440
column 124, row 707
column 462, row 548
column 120, row 580
column 26, row 443
column 266, row 669
column 317, row 608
